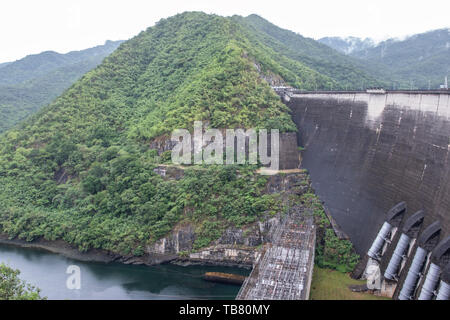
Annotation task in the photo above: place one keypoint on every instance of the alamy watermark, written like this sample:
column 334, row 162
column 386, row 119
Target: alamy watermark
column 239, row 146
column 73, row 282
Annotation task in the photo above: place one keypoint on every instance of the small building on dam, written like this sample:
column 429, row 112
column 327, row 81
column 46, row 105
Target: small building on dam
column 380, row 161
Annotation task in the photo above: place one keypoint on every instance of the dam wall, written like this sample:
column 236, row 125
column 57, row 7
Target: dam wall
column 367, row 152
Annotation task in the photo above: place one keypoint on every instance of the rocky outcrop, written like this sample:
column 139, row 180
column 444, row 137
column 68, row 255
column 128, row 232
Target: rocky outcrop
column 271, row 78
column 236, row 247
column 162, row 144
column 289, row 157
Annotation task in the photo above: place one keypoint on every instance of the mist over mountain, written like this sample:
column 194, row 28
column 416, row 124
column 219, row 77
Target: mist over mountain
column 348, row 45
column 34, row 81
column 420, row 60
column 4, row 64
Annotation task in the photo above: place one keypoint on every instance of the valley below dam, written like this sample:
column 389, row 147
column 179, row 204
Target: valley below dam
column 116, row 281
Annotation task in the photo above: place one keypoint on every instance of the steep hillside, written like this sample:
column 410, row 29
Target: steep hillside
column 4, row 64
column 81, row 169
column 346, row 72
column 419, row 58
column 34, row 81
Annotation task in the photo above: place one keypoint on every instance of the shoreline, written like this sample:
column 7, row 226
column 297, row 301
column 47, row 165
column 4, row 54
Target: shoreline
column 60, row 247
column 100, row 255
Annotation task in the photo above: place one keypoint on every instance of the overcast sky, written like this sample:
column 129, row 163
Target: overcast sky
column 32, row 26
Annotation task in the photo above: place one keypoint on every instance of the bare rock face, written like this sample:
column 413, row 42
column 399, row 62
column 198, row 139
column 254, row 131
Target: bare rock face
column 162, row 144
column 178, row 241
column 271, row 78
column 236, row 247
column 288, row 148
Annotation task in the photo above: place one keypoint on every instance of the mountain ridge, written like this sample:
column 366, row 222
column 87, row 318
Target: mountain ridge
column 420, row 60
column 36, row 65
column 32, row 82
column 417, row 61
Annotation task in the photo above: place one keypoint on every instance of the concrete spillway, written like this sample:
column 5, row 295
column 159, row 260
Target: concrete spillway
column 366, row 152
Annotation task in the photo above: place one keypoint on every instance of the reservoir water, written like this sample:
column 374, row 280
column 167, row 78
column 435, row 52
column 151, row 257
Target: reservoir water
column 114, row 280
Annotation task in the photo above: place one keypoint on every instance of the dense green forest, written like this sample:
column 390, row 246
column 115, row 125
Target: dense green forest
column 34, row 81
column 417, row 61
column 81, row 169
column 14, row 288
column 346, row 72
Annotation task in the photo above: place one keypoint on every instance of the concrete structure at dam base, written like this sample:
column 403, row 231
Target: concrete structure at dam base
column 380, row 162
column 425, row 273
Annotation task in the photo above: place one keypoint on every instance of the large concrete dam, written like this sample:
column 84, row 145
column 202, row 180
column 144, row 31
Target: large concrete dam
column 366, row 152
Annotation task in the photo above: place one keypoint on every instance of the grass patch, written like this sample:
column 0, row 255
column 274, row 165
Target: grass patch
column 330, row 284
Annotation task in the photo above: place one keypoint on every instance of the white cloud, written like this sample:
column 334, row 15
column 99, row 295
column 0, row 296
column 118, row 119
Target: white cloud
column 62, row 25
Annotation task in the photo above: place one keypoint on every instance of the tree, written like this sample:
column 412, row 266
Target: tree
column 13, row 288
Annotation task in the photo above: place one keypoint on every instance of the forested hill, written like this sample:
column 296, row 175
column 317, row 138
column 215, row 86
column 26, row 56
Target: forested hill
column 38, row 65
column 348, row 72
column 81, row 169
column 34, row 81
column 420, row 58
